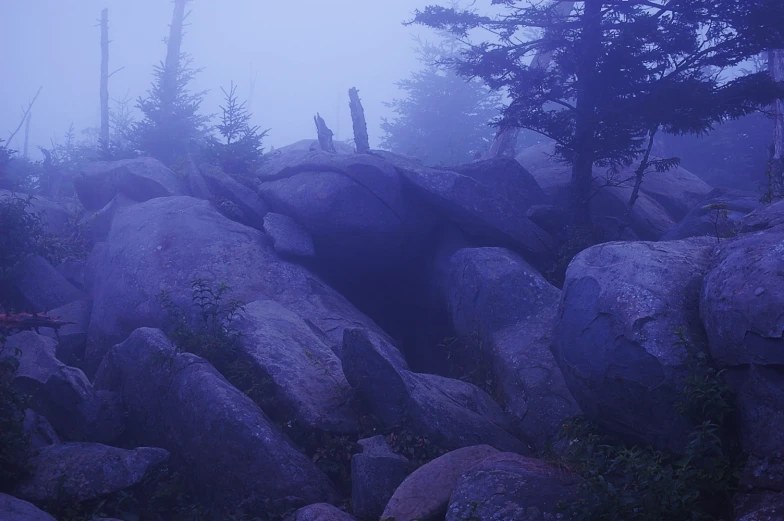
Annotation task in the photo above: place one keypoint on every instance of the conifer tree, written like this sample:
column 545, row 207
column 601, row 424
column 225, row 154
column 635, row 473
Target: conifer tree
column 622, row 70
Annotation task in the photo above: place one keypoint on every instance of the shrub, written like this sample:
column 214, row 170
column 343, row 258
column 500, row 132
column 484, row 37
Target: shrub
column 14, row 442
column 641, row 483
column 21, row 237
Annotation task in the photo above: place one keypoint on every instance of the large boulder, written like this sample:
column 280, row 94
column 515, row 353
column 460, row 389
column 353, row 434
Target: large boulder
column 288, row 237
column 764, row 218
column 303, row 378
column 507, row 311
column 510, row 486
column 320, row 512
column 488, row 200
column 717, row 216
column 741, row 307
column 139, row 179
column 231, row 450
column 304, row 146
column 75, row 472
column 38, row 430
column 14, row 509
column 251, row 209
column 63, row 394
column 664, row 198
column 96, row 224
column 628, row 325
column 355, row 208
column 73, row 270
column 376, row 472
column 42, row 287
column 451, row 412
column 166, row 243
column 424, row 495
column 72, row 337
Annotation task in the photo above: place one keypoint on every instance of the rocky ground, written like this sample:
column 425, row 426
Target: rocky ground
column 361, row 337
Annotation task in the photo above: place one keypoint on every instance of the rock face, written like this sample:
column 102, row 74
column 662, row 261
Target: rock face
column 376, row 472
column 39, row 430
column 306, row 381
column 13, row 509
column 71, row 338
column 139, row 179
column 498, row 299
column 63, row 394
column 741, row 307
column 717, row 216
column 664, row 198
column 618, row 341
column 451, row 412
column 764, row 218
column 85, row 471
column 510, row 486
column 251, row 208
column 288, row 237
column 166, row 243
column 424, row 495
column 354, row 207
column 476, row 198
column 43, row 287
column 232, row 451
column 98, row 223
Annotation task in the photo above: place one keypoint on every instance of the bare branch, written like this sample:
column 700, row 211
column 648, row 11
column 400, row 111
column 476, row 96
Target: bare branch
column 24, row 115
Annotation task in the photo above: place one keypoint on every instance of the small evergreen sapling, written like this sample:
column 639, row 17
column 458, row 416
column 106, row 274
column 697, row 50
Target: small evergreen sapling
column 241, row 150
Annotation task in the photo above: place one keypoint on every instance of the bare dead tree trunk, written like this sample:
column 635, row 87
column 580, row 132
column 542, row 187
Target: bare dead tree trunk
column 105, row 76
column 361, row 140
column 776, row 68
column 27, row 135
column 639, row 175
column 324, row 134
column 171, row 66
column 505, row 141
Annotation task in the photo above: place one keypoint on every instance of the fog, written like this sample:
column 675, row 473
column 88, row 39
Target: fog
column 304, row 56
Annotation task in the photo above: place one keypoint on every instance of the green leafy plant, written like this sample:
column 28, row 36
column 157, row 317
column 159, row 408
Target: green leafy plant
column 211, row 334
column 15, row 448
column 642, row 483
column 419, row 449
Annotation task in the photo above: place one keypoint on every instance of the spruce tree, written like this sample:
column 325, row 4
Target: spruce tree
column 622, row 70
column 171, row 111
column 444, row 119
column 240, row 151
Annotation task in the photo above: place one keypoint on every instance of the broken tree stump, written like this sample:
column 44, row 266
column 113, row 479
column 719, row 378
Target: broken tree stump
column 324, row 134
column 361, row 141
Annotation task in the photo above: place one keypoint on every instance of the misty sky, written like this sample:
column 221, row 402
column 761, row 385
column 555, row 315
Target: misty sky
column 307, row 53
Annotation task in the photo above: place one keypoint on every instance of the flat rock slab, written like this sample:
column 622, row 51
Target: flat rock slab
column 83, row 471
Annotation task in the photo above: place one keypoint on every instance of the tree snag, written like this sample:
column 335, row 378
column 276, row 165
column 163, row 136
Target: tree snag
column 324, row 134
column 105, row 76
column 361, row 141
